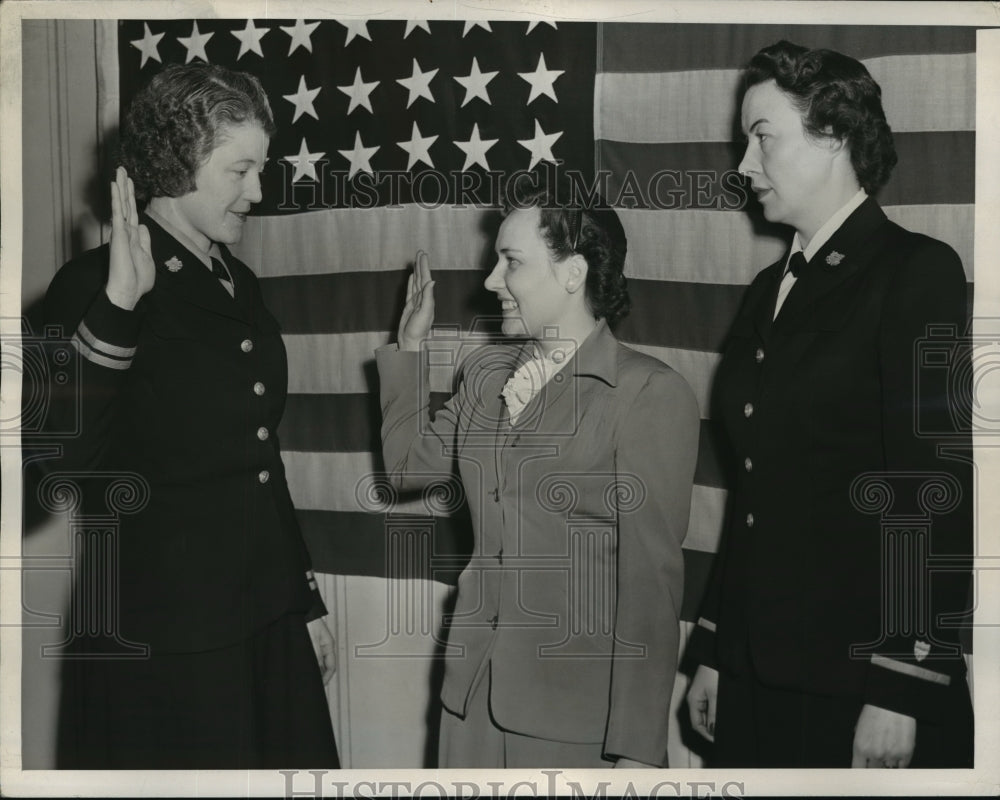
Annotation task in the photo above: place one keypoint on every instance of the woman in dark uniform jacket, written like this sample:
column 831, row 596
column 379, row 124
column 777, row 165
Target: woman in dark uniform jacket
column 182, row 383
column 822, row 642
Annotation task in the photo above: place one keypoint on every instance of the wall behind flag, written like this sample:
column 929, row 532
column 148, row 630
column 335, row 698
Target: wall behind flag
column 62, row 139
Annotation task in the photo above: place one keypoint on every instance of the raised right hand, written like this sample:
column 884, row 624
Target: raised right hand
column 418, row 313
column 132, row 271
column 701, row 699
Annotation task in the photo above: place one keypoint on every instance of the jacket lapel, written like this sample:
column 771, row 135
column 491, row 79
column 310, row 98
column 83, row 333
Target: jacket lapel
column 242, row 295
column 504, row 430
column 181, row 273
column 764, row 315
column 847, row 251
column 597, row 357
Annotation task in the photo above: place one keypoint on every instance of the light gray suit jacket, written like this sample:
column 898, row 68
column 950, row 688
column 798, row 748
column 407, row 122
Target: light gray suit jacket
column 579, row 510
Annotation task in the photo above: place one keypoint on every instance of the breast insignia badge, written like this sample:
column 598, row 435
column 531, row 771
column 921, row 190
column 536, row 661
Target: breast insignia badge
column 174, row 264
column 921, row 650
column 834, row 258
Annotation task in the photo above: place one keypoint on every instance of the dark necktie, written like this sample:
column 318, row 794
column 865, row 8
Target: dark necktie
column 219, row 271
column 796, row 263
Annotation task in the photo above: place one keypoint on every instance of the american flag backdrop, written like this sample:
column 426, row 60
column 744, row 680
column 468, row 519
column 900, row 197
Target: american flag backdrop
column 393, row 135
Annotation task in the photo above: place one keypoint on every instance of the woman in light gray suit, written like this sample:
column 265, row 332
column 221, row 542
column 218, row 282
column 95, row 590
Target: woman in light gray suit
column 577, row 456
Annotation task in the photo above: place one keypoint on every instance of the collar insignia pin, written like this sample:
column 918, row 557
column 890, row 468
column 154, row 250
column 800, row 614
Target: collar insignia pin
column 174, row 264
column 834, row 258
column 921, row 650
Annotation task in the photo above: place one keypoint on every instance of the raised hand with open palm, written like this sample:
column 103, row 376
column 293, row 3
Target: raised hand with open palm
column 132, row 271
column 418, row 313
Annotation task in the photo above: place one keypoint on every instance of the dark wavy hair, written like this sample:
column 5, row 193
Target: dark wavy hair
column 175, row 122
column 574, row 223
column 837, row 97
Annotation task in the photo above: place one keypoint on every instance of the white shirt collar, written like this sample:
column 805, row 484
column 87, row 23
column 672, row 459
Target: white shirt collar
column 829, row 227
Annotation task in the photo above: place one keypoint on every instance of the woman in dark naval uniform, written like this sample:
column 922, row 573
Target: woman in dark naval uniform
column 827, row 638
column 222, row 647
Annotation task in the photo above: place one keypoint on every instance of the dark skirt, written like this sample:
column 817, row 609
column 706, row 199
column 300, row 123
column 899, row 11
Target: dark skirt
column 256, row 704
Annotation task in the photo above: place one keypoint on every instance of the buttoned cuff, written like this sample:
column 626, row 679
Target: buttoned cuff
column 107, row 335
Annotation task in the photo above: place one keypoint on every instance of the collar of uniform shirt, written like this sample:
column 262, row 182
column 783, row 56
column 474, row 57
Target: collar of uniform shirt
column 829, row 228
column 821, row 237
column 203, row 256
